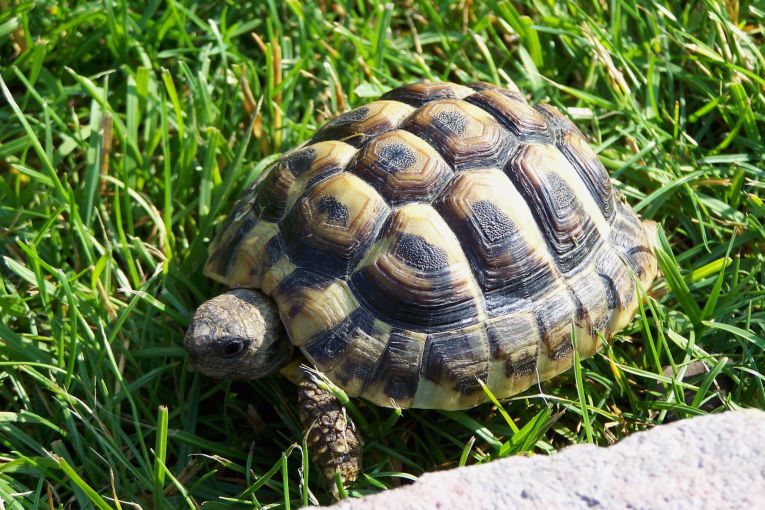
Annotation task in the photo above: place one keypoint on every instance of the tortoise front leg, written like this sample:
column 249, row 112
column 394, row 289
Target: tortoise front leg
column 333, row 439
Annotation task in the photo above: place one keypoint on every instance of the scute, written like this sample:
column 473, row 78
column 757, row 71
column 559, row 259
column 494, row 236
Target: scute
column 560, row 203
column 402, row 167
column 350, row 352
column 440, row 238
column 416, row 275
column 331, row 227
column 463, row 134
column 272, row 194
column 491, row 218
column 359, row 126
column 311, row 304
column 418, row 94
column 513, row 113
column 590, row 170
column 397, row 374
column 514, row 344
column 454, row 364
column 314, row 163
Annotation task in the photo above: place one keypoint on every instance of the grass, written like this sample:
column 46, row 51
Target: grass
column 126, row 132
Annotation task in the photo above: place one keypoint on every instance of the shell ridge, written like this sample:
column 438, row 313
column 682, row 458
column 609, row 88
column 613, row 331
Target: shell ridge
column 644, row 270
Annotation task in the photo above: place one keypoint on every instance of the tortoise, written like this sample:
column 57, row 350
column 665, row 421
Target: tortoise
column 439, row 239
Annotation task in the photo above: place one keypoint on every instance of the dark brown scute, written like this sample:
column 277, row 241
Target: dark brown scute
column 479, row 86
column 272, row 193
column 637, row 255
column 289, row 289
column 300, row 161
column 325, row 161
column 514, row 114
column 457, row 359
column 274, row 249
column 555, row 318
column 413, row 283
column 366, row 344
column 391, row 297
column 339, row 346
column 570, row 233
column 630, row 238
column 343, row 127
column 227, row 242
column 514, row 340
column 612, row 294
column 399, row 368
column 614, row 273
column 560, row 122
column 503, row 262
column 357, row 127
column 582, row 290
column 319, row 174
column 328, row 347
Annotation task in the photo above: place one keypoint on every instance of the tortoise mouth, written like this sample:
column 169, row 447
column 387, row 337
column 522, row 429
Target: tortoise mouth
column 223, row 371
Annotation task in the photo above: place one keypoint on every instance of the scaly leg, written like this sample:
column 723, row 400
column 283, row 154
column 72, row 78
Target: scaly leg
column 333, row 439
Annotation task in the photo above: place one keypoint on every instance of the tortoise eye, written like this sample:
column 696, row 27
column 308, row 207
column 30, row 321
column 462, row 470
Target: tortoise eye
column 233, row 348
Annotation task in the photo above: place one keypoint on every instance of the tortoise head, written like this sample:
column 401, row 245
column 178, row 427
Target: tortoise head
column 237, row 335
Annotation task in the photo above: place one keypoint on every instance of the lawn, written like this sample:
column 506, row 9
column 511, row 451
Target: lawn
column 127, row 132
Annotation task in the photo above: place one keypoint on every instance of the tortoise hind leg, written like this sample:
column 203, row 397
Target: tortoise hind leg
column 333, row 439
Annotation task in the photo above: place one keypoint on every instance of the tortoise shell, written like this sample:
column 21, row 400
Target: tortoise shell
column 440, row 236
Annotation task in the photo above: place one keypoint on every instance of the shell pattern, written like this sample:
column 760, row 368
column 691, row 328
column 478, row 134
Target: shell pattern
column 440, row 236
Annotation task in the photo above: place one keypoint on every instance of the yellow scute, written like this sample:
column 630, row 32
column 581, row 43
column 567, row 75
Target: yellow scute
column 310, row 311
